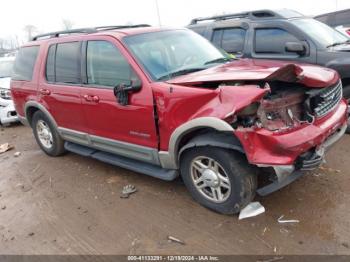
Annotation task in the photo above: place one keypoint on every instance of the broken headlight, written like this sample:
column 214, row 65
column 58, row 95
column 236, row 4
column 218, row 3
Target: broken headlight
column 5, row 93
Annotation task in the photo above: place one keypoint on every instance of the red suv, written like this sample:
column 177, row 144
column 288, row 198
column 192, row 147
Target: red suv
column 165, row 102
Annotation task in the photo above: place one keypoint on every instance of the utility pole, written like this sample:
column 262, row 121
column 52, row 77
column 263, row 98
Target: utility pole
column 158, row 14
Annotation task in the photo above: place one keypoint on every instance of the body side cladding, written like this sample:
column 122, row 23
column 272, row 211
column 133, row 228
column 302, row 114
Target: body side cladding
column 169, row 159
column 132, row 151
column 39, row 106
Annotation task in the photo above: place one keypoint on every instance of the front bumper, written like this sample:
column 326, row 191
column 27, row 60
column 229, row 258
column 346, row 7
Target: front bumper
column 290, row 153
column 267, row 148
column 288, row 174
column 7, row 112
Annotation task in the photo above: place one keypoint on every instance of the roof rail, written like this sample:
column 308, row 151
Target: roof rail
column 114, row 27
column 86, row 31
column 253, row 15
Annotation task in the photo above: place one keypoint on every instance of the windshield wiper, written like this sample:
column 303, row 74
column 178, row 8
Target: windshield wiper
column 219, row 60
column 181, row 72
column 339, row 43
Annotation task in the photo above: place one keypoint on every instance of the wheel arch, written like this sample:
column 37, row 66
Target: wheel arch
column 201, row 131
column 31, row 107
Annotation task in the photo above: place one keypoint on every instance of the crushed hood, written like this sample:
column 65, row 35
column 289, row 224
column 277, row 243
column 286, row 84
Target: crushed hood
column 252, row 70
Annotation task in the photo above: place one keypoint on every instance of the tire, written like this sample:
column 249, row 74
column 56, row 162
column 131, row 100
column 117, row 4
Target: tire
column 346, row 95
column 233, row 166
column 55, row 144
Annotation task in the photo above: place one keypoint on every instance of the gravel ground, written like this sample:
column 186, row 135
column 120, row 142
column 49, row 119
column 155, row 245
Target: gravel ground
column 71, row 205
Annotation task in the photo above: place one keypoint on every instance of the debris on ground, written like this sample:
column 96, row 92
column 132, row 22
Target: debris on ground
column 24, row 188
column 112, row 180
column 127, row 191
column 31, row 234
column 281, row 221
column 17, row 154
column 174, row 239
column 251, row 210
column 5, row 147
column 344, row 244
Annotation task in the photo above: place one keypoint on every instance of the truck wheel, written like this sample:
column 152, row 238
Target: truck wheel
column 46, row 135
column 218, row 179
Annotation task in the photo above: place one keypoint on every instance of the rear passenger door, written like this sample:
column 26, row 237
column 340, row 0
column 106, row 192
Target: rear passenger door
column 60, row 88
column 114, row 127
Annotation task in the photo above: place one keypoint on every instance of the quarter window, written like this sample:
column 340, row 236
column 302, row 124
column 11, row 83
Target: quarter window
column 106, row 66
column 272, row 40
column 25, row 62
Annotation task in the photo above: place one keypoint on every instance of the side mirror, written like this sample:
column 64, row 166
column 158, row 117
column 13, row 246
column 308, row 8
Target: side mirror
column 295, row 47
column 122, row 90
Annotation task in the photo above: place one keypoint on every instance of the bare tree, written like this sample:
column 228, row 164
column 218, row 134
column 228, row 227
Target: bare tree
column 30, row 30
column 67, row 24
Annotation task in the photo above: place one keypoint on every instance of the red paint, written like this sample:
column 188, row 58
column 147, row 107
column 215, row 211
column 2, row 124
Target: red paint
column 96, row 111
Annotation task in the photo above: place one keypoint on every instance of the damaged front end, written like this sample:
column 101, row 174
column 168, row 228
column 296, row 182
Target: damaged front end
column 285, row 117
column 290, row 129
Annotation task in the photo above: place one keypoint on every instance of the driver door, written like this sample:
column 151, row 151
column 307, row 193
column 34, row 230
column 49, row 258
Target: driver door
column 123, row 129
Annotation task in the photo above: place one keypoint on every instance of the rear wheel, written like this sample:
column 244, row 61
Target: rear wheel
column 46, row 135
column 219, row 179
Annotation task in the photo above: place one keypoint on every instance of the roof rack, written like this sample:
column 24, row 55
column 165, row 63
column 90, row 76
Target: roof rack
column 253, row 15
column 86, row 31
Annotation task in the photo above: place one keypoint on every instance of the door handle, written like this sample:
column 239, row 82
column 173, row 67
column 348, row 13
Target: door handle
column 91, row 98
column 96, row 99
column 45, row 92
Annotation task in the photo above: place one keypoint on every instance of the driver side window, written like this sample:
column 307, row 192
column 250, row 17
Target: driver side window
column 106, row 66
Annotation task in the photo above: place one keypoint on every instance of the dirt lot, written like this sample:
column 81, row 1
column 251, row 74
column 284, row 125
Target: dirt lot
column 71, row 205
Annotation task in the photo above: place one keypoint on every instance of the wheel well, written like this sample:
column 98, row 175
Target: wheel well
column 190, row 135
column 208, row 137
column 30, row 112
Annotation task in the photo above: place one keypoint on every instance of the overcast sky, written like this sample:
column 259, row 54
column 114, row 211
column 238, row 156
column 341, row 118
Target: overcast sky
column 47, row 15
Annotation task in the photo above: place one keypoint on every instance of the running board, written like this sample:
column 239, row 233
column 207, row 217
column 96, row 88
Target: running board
column 120, row 161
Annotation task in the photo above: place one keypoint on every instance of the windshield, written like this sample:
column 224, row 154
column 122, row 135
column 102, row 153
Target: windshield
column 320, row 32
column 6, row 68
column 167, row 54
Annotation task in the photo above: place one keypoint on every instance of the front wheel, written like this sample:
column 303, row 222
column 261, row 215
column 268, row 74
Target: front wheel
column 46, row 135
column 219, row 179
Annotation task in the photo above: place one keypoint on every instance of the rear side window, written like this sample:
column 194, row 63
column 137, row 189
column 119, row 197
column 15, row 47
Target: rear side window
column 63, row 63
column 229, row 39
column 272, row 40
column 25, row 63
column 216, row 39
column 106, row 66
column 67, row 63
column 233, row 40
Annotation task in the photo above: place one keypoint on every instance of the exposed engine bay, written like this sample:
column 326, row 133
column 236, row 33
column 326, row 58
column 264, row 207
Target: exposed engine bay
column 289, row 105
column 285, row 105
